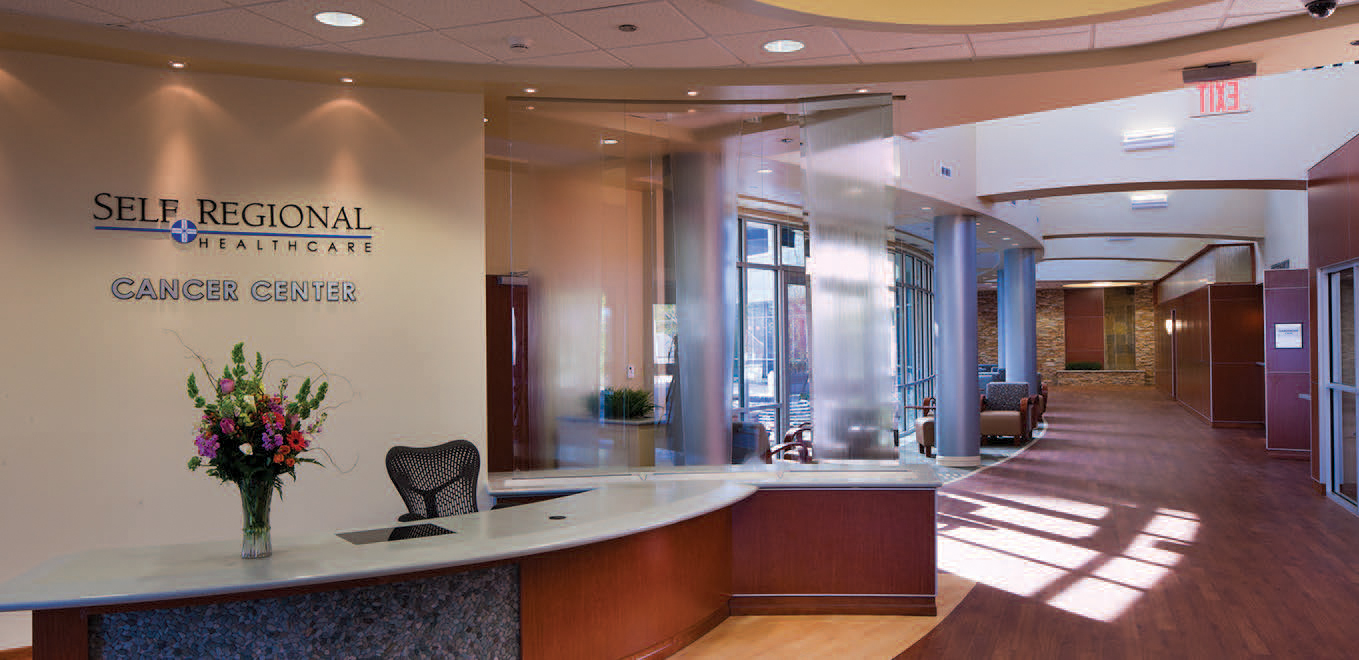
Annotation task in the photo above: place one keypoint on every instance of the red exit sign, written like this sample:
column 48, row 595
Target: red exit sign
column 1221, row 97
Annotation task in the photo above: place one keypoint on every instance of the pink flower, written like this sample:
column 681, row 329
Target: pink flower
column 226, row 386
column 228, row 426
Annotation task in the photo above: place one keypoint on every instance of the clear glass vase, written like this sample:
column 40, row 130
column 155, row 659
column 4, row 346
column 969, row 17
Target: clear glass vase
column 256, row 495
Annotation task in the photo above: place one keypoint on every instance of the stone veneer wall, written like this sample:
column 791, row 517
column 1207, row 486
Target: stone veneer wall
column 1052, row 334
column 1144, row 325
column 987, row 337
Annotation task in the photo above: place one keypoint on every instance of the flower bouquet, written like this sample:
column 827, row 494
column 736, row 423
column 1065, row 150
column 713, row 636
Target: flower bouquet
column 251, row 437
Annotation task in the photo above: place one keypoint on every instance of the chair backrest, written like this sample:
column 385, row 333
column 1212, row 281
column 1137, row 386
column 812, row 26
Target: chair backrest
column 1005, row 396
column 436, row 481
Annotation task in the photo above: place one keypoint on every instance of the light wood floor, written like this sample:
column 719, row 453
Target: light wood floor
column 785, row 637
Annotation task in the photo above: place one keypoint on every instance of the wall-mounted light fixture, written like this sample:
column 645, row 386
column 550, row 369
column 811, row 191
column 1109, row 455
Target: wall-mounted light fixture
column 1149, row 200
column 1151, row 138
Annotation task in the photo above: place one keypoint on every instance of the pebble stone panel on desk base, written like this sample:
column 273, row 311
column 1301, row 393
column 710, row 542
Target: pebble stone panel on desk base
column 473, row 614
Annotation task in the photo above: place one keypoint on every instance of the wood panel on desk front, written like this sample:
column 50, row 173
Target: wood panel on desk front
column 834, row 551
column 645, row 595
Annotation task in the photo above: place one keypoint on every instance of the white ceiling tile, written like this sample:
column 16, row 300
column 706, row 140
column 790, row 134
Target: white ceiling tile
column 461, row 12
column 1056, row 43
column 594, row 59
column 419, row 46
column 60, row 9
column 378, row 20
column 143, row 10
column 979, row 37
column 1212, row 10
column 695, row 53
column 819, row 42
column 928, row 53
column 719, row 19
column 1233, row 21
column 656, row 22
column 544, row 36
column 1112, row 35
column 866, row 41
column 235, row 25
column 559, row 6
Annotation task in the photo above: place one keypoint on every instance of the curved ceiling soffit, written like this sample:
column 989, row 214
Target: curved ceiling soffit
column 957, row 17
column 1290, row 41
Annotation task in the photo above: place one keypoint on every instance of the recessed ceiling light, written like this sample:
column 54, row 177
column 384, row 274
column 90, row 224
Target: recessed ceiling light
column 176, row 65
column 609, row 141
column 530, row 90
column 346, row 80
column 861, row 90
column 692, row 92
column 627, row 27
column 926, row 208
column 339, row 19
column 528, row 107
column 763, row 170
column 784, row 46
column 991, row 231
column 692, row 110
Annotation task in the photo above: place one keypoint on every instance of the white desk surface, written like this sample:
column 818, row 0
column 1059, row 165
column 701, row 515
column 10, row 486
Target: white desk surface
column 816, row 475
column 134, row 575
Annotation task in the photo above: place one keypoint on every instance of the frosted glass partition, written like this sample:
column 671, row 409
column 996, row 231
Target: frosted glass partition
column 849, row 169
column 614, row 223
column 1231, row 262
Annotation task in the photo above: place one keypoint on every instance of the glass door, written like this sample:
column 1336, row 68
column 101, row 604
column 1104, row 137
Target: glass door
column 1340, row 464
column 797, row 397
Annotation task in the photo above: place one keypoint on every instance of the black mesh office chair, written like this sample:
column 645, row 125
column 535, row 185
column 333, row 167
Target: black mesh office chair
column 435, row 481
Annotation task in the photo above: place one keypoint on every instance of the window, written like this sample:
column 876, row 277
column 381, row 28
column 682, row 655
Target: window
column 771, row 375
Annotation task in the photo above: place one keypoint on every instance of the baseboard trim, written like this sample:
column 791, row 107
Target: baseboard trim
column 685, row 637
column 21, row 653
column 747, row 605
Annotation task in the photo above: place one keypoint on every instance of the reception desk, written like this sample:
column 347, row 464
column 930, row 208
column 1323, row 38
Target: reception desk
column 612, row 565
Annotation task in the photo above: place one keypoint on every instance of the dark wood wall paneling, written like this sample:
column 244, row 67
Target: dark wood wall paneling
column 1236, row 331
column 1332, row 238
column 615, row 599
column 834, row 551
column 1084, row 325
column 1287, row 374
column 1218, row 353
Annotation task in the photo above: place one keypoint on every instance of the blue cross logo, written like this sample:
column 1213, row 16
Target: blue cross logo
column 183, row 231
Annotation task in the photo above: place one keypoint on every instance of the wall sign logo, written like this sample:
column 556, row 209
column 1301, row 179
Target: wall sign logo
column 226, row 225
column 183, row 231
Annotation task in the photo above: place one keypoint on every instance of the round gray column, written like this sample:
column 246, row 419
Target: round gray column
column 957, row 417
column 1020, row 332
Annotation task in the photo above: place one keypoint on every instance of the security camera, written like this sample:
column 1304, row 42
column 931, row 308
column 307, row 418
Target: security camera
column 1320, row 8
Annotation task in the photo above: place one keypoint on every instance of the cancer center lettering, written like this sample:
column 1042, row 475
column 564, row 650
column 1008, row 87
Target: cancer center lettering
column 127, row 288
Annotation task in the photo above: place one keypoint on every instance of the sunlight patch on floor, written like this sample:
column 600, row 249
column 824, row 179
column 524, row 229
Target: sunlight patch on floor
column 1012, row 549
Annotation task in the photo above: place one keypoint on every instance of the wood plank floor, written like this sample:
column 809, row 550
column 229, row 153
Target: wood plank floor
column 1131, row 530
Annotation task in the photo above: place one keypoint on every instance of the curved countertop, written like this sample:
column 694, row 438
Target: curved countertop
column 137, row 575
column 782, row 475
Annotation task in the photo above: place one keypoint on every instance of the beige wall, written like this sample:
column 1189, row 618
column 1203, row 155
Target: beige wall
column 97, row 427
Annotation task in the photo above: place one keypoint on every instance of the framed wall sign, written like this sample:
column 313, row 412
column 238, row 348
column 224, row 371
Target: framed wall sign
column 1287, row 335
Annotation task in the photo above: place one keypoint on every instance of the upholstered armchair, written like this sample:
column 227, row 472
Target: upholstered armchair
column 1007, row 410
